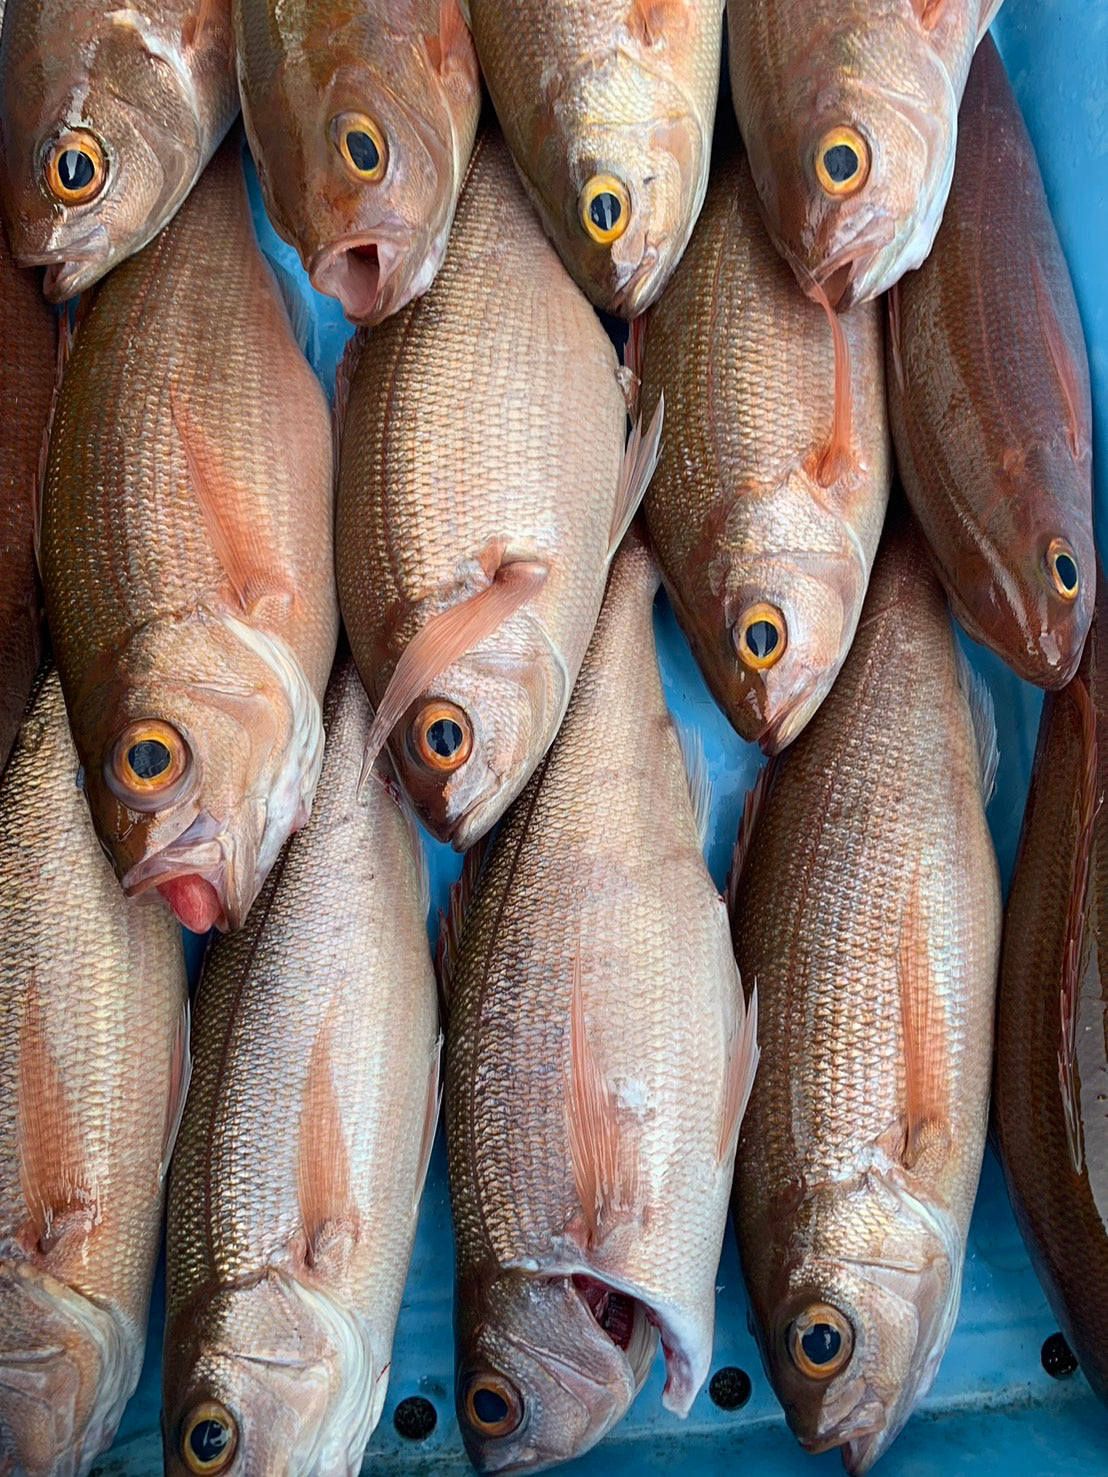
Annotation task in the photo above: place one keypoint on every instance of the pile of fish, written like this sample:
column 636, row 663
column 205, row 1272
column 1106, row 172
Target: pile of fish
column 623, row 1053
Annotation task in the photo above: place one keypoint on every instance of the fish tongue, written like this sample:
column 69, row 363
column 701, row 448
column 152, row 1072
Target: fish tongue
column 194, row 901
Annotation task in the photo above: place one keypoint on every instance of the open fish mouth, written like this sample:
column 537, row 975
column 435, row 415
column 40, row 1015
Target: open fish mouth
column 70, row 267
column 358, row 271
column 193, row 875
column 843, row 277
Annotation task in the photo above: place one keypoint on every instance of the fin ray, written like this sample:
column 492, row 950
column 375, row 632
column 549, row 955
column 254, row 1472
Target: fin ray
column 1069, row 997
column 983, row 717
column 1064, row 367
column 743, row 1055
column 836, row 459
column 327, row 1209
column 180, row 1076
column 923, row 1036
column 639, row 461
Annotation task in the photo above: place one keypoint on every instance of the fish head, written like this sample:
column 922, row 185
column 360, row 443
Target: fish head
column 539, row 1379
column 196, row 780
column 92, row 171
column 270, row 1378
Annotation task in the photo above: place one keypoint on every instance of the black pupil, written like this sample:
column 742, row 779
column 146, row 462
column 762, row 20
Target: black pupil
column 149, row 758
column 762, row 638
column 1066, row 570
column 605, row 211
column 821, row 1343
column 841, row 163
column 489, row 1407
column 207, row 1440
column 444, row 738
column 363, row 151
column 76, row 170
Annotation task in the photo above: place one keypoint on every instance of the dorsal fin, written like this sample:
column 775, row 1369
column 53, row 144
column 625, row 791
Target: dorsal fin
column 328, row 1211
column 743, row 1054
column 837, row 457
column 640, row 457
column 983, row 716
column 452, row 922
column 700, row 781
column 752, row 808
column 923, row 1037
column 1069, row 997
column 1061, row 357
column 180, row 1075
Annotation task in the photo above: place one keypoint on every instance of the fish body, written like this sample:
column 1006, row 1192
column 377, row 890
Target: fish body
column 295, row 1190
column 108, row 115
column 608, row 108
column 361, row 119
column 850, row 117
column 771, row 488
column 867, row 908
column 989, row 399
column 598, row 1061
column 1051, row 1063
column 482, row 488
column 27, row 377
column 186, row 553
column 93, row 1054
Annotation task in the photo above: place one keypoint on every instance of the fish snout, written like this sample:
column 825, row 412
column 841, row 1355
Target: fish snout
column 70, row 264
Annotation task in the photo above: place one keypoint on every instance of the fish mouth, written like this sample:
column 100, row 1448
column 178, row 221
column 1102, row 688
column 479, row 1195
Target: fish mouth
column 843, row 277
column 71, row 268
column 194, row 875
column 640, row 286
column 358, row 272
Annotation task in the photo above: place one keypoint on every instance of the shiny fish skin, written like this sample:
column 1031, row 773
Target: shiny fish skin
column 869, row 898
column 296, row 1184
column 892, row 72
column 187, row 557
column 624, row 89
column 482, row 443
column 152, row 85
column 1050, row 1089
column 595, row 949
column 410, row 66
column 989, row 397
column 740, row 510
column 93, row 1035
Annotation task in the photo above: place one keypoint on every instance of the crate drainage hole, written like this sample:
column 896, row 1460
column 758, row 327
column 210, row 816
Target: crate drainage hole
column 1058, row 1358
column 730, row 1388
column 415, row 1418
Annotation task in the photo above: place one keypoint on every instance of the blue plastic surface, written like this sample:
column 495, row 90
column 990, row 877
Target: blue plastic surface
column 992, row 1408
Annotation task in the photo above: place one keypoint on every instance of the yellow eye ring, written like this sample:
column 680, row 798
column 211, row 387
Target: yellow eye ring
column 605, row 208
column 148, row 763
column 761, row 637
column 821, row 1341
column 442, row 736
column 75, row 169
column 209, row 1437
column 842, row 162
column 361, row 146
column 1061, row 564
column 492, row 1405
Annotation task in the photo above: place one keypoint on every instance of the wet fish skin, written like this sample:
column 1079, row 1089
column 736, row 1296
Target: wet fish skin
column 891, row 75
column 148, row 92
column 562, row 990
column 594, row 90
column 868, row 910
column 187, row 559
column 753, row 508
column 410, row 69
column 93, row 1042
column 1050, row 1058
column 989, row 398
column 294, row 1194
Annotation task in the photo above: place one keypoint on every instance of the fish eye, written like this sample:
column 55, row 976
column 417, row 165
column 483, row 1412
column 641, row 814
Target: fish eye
column 821, row 1341
column 442, row 736
column 1061, row 564
column 75, row 168
column 842, row 161
column 361, row 144
column 209, row 1437
column 148, row 763
column 605, row 208
column 493, row 1405
column 761, row 637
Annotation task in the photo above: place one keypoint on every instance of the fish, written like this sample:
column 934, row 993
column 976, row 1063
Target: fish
column 483, row 486
column 361, row 120
column 94, row 1068
column 297, row 1179
column 27, row 380
column 850, row 117
column 1051, row 1064
column 108, row 115
column 599, row 1057
column 866, row 903
column 989, row 400
column 187, row 558
column 767, row 505
column 608, row 108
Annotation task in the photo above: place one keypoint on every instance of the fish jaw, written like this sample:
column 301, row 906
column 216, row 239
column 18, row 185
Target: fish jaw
column 370, row 274
column 70, row 267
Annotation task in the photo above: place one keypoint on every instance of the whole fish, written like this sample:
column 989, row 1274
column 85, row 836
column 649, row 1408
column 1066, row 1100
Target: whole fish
column 361, row 119
column 483, row 487
column 608, row 108
column 107, row 117
column 93, row 1072
column 867, row 907
column 1051, row 1061
column 989, row 400
column 186, row 553
column 297, row 1180
column 27, row 374
column 850, row 117
column 599, row 1058
column 767, row 505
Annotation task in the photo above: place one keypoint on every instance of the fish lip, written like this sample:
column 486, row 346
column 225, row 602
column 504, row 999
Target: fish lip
column 68, row 267
column 174, row 861
column 329, row 274
column 850, row 263
column 638, row 291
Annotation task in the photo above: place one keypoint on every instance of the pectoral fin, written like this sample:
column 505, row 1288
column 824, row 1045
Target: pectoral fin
column 639, row 460
column 328, row 1211
column 924, row 1038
